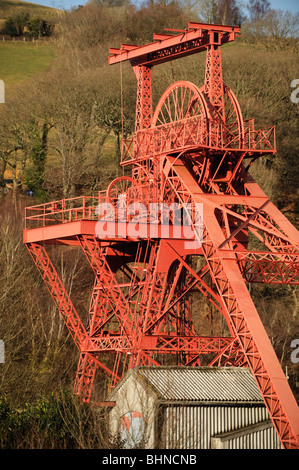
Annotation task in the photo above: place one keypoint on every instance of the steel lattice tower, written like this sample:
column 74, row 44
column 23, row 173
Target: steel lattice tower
column 194, row 150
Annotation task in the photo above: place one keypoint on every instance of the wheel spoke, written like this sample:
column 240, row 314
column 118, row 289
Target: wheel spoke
column 118, row 187
column 233, row 119
column 182, row 100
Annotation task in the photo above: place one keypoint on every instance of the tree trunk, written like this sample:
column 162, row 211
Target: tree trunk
column 3, row 164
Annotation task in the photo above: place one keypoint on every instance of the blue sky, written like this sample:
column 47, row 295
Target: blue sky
column 292, row 5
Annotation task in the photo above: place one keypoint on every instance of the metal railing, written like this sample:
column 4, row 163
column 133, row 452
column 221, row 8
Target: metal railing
column 63, row 211
column 196, row 132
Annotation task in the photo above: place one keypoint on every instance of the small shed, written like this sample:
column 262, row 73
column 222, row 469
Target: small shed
column 191, row 408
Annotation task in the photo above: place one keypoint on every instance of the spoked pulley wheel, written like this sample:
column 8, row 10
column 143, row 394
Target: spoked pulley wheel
column 182, row 100
column 119, row 187
column 233, row 119
column 233, row 126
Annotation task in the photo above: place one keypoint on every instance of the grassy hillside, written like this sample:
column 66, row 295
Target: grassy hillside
column 9, row 7
column 21, row 60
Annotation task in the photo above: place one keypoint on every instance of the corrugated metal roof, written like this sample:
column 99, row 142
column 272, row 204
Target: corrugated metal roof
column 225, row 384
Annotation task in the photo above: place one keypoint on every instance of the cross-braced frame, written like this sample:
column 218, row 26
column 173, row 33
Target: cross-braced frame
column 193, row 151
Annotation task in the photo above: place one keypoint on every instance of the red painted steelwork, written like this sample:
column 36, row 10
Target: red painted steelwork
column 194, row 148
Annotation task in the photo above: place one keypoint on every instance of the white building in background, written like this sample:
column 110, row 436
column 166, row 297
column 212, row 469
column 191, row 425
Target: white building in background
column 191, row 408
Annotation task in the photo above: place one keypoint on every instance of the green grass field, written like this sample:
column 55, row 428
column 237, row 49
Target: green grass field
column 19, row 60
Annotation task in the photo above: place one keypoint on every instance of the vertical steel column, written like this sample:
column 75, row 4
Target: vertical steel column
column 144, row 107
column 213, row 86
column 87, row 367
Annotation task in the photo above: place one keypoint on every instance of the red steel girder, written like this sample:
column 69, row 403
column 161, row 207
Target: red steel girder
column 59, row 294
column 213, row 87
column 243, row 316
column 269, row 268
column 231, row 355
column 86, row 371
column 144, row 106
column 162, row 343
column 186, row 42
column 87, row 367
column 109, row 298
column 193, row 149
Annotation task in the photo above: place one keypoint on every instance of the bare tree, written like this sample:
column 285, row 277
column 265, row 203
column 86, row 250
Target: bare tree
column 282, row 24
column 214, row 11
column 258, row 9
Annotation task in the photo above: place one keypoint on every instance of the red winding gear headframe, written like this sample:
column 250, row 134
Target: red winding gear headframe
column 194, row 150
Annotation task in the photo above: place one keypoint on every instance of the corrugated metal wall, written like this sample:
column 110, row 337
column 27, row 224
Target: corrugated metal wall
column 265, row 439
column 191, row 427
